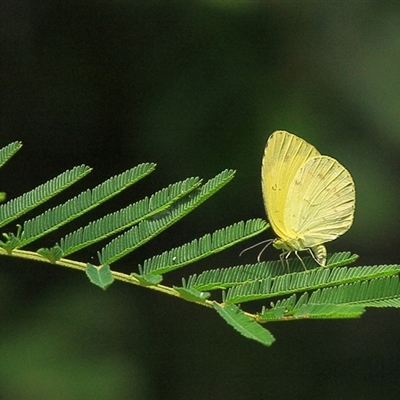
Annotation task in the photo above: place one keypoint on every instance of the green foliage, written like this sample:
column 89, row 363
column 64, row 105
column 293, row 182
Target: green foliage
column 223, row 278
column 8, row 151
column 126, row 217
column 100, row 276
column 192, row 294
column 304, row 281
column 244, row 324
column 54, row 254
column 290, row 289
column 55, row 217
column 147, row 229
column 147, row 280
column 15, row 208
column 203, row 247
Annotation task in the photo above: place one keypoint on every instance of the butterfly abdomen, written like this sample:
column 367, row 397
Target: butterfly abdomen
column 319, row 254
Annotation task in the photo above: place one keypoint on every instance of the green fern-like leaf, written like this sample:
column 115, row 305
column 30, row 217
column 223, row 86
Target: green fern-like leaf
column 383, row 292
column 52, row 219
column 147, row 280
column 100, row 276
column 11, row 241
column 306, row 280
column 192, row 294
column 223, row 278
column 243, row 324
column 312, row 311
column 8, row 151
column 54, row 254
column 148, row 229
column 343, row 301
column 128, row 216
column 213, row 185
column 328, row 311
column 203, row 247
column 14, row 208
column 340, row 259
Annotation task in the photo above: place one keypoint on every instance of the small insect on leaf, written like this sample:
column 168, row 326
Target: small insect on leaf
column 309, row 197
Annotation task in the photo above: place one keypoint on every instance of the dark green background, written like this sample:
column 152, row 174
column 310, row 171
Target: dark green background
column 196, row 87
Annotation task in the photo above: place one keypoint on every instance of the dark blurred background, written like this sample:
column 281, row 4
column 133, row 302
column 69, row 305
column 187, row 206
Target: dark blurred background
column 196, row 87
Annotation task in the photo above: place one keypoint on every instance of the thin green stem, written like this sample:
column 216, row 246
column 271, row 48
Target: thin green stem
column 64, row 262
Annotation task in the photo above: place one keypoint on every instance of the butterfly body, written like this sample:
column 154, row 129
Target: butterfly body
column 309, row 197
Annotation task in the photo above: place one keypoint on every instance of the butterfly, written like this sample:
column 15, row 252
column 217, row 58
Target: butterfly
column 309, row 198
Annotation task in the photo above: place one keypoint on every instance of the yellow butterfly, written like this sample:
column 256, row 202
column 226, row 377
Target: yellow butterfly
column 309, row 198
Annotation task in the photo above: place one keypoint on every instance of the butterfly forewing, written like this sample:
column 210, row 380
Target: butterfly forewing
column 284, row 155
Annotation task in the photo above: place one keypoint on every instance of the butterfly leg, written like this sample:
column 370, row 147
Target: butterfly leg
column 284, row 258
column 299, row 258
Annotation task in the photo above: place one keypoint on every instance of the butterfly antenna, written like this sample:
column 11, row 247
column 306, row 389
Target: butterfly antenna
column 268, row 241
column 263, row 249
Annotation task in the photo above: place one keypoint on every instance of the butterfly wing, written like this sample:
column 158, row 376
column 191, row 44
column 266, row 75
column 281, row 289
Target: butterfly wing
column 320, row 202
column 284, row 155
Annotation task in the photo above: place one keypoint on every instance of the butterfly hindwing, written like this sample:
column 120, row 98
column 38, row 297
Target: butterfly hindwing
column 320, row 202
